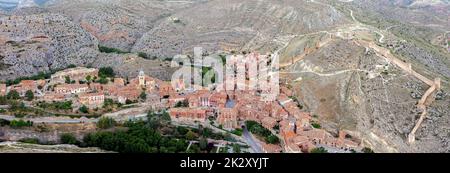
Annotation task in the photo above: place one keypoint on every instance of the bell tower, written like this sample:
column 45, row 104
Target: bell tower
column 141, row 78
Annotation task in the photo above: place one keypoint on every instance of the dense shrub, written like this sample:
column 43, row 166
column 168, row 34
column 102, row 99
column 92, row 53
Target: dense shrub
column 68, row 138
column 138, row 139
column 106, row 72
column 259, row 130
column 30, row 140
column 105, row 49
column 29, row 95
column 84, row 109
column 319, row 150
column 367, row 150
column 20, row 123
column 14, row 95
column 181, row 104
column 67, row 105
column 106, row 123
column 143, row 55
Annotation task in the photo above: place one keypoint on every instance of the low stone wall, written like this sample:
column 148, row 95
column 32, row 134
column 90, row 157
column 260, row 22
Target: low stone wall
column 51, row 134
column 8, row 134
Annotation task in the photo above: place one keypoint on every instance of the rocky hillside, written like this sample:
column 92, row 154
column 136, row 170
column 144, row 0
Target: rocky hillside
column 420, row 31
column 33, row 43
column 117, row 23
column 349, row 86
column 159, row 28
column 236, row 25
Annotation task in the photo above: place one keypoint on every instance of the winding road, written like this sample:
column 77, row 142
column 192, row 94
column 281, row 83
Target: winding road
column 384, row 53
column 51, row 120
column 251, row 141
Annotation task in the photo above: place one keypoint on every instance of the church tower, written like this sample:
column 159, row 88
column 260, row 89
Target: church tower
column 142, row 78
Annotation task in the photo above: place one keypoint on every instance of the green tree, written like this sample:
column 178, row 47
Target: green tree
column 143, row 96
column 183, row 104
column 237, row 132
column 272, row 139
column 165, row 116
column 29, row 95
column 67, row 80
column 128, row 101
column 108, row 103
column 83, row 109
column 276, row 127
column 236, row 148
column 106, row 72
column 88, row 78
column 16, row 106
column 206, row 132
column 67, row 105
column 143, row 55
column 106, row 123
column 316, row 125
column 367, row 150
column 105, row 49
column 71, row 66
column 203, row 143
column 14, row 95
column 319, row 150
column 103, row 80
column 68, row 138
column 3, row 100
column 190, row 135
column 20, row 123
column 182, row 130
column 139, row 138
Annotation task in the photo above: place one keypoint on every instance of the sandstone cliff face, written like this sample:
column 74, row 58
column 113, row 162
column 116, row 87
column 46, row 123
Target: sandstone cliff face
column 33, row 43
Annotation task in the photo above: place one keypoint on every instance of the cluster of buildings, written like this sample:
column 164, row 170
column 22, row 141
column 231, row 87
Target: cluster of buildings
column 283, row 116
column 83, row 90
column 228, row 108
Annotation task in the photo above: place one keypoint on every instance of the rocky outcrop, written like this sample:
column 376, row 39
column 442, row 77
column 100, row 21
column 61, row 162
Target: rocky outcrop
column 29, row 44
column 117, row 23
column 128, row 65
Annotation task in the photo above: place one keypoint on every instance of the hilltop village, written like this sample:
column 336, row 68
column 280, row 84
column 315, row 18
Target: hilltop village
column 290, row 128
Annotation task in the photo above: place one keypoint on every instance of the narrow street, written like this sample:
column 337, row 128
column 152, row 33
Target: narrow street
column 250, row 141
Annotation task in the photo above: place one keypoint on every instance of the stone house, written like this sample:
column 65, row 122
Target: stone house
column 71, row 88
column 92, row 100
column 227, row 117
column 188, row 114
